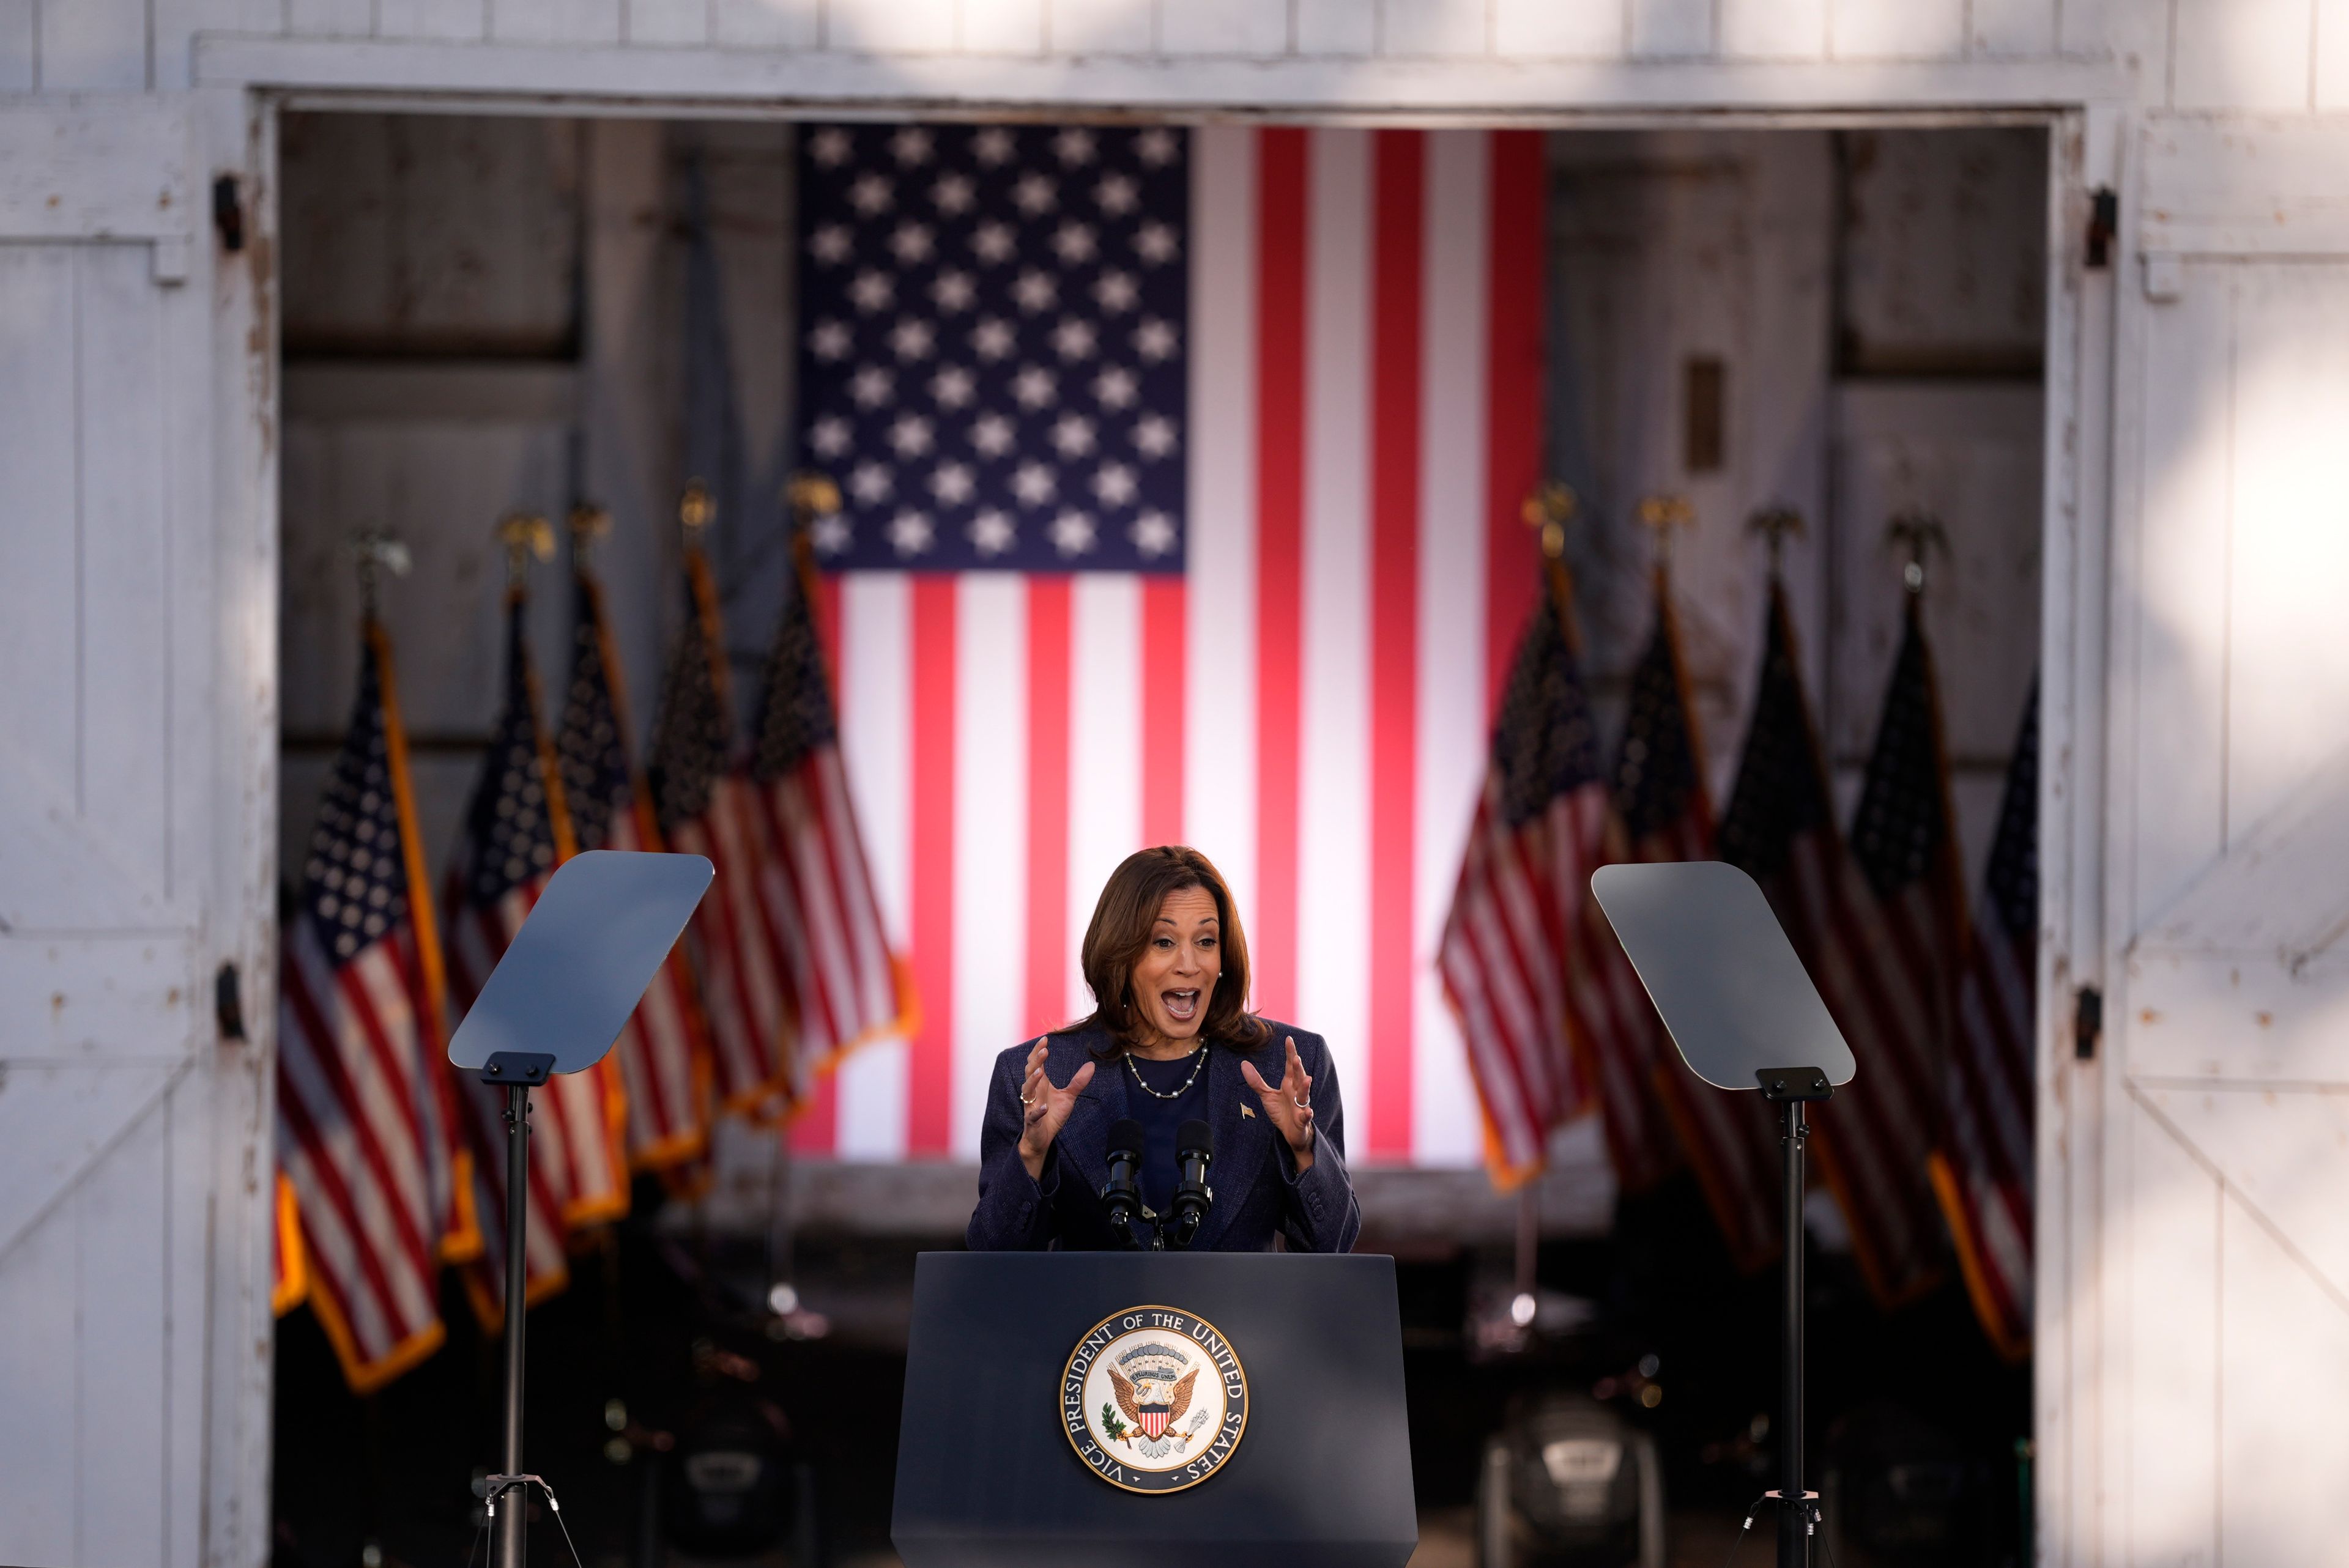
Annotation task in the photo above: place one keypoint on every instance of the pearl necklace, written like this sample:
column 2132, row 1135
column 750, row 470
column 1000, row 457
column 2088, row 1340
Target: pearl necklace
column 1199, row 1060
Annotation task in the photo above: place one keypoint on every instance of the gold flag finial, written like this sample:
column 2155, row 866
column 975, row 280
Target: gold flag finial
column 696, row 509
column 376, row 552
column 810, row 494
column 588, row 523
column 1549, row 507
column 1663, row 513
column 524, row 534
column 1919, row 533
column 1775, row 524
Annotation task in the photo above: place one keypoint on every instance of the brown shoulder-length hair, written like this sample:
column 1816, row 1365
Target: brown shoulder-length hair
column 1120, row 934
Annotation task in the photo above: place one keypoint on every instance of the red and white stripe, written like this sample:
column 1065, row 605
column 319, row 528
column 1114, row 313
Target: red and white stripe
column 360, row 1136
column 578, row 1146
column 1507, row 961
column 740, row 990
column 1984, row 1182
column 1307, row 706
column 1873, row 1138
column 663, row 1067
column 820, row 907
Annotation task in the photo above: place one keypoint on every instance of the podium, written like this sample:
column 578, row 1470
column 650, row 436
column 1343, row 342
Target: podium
column 1015, row 1358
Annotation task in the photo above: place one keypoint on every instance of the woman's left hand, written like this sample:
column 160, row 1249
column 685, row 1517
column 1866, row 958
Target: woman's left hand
column 1287, row 1105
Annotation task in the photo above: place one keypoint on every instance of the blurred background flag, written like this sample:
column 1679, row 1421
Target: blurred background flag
column 1982, row 1172
column 1659, row 812
column 662, row 1054
column 704, row 805
column 1507, row 957
column 362, row 1112
column 515, row 834
column 1181, row 477
column 1779, row 828
column 845, row 987
column 1898, row 989
column 1778, row 809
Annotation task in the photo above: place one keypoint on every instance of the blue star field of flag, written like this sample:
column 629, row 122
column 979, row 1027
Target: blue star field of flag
column 1780, row 793
column 593, row 756
column 1655, row 766
column 508, row 831
column 1902, row 830
column 693, row 735
column 795, row 714
column 1543, row 743
column 355, row 883
column 993, row 360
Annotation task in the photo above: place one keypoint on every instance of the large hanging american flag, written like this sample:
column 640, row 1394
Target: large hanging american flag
column 363, row 1109
column 1982, row 1172
column 1273, row 400
column 662, row 1053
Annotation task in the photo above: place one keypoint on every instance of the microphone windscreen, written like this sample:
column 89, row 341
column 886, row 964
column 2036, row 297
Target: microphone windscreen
column 1196, row 1136
column 1125, row 1137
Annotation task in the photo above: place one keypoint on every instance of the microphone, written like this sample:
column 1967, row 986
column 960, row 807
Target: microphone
column 1122, row 1195
column 1195, row 1150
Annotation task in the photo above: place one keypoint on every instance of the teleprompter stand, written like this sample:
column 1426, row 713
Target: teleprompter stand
column 1737, row 1002
column 554, row 1004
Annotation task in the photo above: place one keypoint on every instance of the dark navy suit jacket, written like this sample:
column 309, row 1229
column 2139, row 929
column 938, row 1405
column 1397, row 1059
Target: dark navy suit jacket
column 1255, row 1180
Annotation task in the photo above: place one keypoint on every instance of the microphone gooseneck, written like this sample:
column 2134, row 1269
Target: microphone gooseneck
column 1122, row 1195
column 1194, row 1151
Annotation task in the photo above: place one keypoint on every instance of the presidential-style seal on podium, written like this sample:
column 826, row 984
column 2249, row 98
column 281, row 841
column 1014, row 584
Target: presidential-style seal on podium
column 1153, row 1400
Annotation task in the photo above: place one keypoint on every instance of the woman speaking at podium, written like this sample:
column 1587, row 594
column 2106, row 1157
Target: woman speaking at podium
column 1170, row 1042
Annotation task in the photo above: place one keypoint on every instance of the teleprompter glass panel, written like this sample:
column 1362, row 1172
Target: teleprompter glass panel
column 581, row 962
column 1720, row 970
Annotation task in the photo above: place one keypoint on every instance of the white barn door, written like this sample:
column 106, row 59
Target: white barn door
column 2225, row 1244
column 133, row 1363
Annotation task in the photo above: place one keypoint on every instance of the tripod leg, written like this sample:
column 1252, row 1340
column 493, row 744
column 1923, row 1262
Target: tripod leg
column 1794, row 1511
column 513, row 1514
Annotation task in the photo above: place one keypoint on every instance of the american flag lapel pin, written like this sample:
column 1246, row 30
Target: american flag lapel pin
column 1248, row 1112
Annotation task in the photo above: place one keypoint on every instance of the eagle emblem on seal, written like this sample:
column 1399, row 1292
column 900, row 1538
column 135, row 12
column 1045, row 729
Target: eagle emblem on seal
column 1150, row 1391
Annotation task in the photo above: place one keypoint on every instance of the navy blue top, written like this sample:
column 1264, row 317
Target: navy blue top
column 1259, row 1190
column 1161, row 1119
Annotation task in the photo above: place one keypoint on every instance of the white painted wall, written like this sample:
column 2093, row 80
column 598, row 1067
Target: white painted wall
column 2194, row 1302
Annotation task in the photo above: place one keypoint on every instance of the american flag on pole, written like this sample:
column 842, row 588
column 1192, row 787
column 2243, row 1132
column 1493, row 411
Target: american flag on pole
column 1777, row 808
column 1897, row 988
column 662, row 1054
column 1982, row 1172
column 706, row 804
column 363, row 1112
column 843, row 986
column 1510, row 952
column 1660, row 813
column 1779, row 828
column 1183, row 473
column 515, row 833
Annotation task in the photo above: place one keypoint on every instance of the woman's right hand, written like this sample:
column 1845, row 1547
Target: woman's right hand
column 1044, row 1110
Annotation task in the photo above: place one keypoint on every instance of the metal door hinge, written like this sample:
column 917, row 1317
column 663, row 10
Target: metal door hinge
column 228, row 1003
column 2104, row 227
column 228, row 213
column 2087, row 1022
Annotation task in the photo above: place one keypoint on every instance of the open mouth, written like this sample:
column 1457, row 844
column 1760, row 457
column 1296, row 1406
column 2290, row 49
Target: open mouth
column 1182, row 1006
